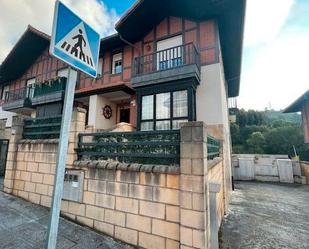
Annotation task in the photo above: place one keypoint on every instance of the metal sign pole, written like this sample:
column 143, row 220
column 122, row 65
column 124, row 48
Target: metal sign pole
column 61, row 159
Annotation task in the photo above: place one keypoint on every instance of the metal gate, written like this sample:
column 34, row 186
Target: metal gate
column 4, row 144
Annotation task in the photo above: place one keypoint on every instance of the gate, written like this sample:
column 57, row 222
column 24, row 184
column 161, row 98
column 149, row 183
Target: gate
column 4, row 144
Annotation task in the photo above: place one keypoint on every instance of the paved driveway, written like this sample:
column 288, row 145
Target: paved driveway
column 267, row 216
column 23, row 226
column 1, row 182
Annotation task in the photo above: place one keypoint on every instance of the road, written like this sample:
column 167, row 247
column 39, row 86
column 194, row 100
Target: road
column 267, row 216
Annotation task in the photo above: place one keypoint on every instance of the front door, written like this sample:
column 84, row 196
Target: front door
column 3, row 152
column 125, row 115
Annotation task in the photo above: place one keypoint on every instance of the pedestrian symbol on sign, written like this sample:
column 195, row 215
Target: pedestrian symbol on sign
column 75, row 43
column 79, row 44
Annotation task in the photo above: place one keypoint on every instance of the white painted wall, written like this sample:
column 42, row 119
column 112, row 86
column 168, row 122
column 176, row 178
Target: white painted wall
column 95, row 117
column 6, row 115
column 212, row 108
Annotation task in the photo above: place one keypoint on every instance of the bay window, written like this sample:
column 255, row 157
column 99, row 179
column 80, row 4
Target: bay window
column 164, row 111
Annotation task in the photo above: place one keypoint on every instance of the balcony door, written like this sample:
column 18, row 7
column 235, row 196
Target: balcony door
column 30, row 88
column 169, row 53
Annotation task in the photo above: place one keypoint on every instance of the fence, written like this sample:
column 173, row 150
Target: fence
column 147, row 147
column 52, row 86
column 166, row 59
column 213, row 147
column 42, row 128
column 17, row 94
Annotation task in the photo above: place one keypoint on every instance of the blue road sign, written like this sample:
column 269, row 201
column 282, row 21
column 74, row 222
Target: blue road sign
column 74, row 41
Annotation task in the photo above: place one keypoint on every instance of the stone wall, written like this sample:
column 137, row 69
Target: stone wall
column 134, row 203
column 31, row 164
column 149, row 206
column 267, row 168
column 305, row 170
column 215, row 174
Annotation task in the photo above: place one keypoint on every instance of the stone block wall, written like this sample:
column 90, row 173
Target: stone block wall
column 215, row 174
column 305, row 170
column 31, row 163
column 148, row 206
column 132, row 203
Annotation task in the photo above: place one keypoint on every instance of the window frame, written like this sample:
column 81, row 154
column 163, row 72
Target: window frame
column 4, row 91
column 30, row 87
column 113, row 66
column 100, row 68
column 171, row 118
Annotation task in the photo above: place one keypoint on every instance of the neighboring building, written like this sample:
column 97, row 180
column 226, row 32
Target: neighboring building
column 170, row 62
column 301, row 105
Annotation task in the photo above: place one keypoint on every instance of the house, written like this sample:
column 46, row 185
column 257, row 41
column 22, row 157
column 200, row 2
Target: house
column 167, row 73
column 301, row 105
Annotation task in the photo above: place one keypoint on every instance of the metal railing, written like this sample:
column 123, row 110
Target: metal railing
column 213, row 147
column 18, row 94
column 166, row 59
column 145, row 147
column 48, row 87
column 42, row 128
column 36, row 90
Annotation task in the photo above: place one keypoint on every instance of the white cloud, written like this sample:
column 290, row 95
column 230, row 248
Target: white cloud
column 264, row 20
column 278, row 74
column 17, row 14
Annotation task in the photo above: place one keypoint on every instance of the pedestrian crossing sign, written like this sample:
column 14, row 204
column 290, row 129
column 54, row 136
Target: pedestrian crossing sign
column 74, row 41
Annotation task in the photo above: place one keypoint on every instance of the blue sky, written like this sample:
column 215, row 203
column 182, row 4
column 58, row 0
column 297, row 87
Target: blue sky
column 276, row 45
column 119, row 5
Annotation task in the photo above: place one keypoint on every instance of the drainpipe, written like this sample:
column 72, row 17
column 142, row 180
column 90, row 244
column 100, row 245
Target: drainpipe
column 130, row 44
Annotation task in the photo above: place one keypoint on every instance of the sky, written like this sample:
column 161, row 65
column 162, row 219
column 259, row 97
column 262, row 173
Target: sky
column 275, row 68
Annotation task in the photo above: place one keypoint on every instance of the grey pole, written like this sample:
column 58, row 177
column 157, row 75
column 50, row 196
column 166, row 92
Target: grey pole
column 61, row 159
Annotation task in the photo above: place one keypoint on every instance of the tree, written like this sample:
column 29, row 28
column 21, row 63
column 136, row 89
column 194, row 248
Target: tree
column 256, row 143
column 270, row 132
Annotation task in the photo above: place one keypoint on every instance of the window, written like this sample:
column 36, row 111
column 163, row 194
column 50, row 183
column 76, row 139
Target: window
column 100, row 68
column 117, row 63
column 5, row 92
column 30, row 87
column 164, row 111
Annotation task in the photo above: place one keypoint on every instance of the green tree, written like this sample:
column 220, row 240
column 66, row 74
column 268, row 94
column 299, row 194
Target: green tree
column 256, row 143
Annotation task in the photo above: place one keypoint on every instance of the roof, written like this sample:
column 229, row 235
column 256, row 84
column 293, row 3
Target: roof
column 27, row 49
column 31, row 45
column 145, row 14
column 297, row 105
column 111, row 42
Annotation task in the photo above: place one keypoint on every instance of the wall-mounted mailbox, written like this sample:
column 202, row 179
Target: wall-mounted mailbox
column 73, row 185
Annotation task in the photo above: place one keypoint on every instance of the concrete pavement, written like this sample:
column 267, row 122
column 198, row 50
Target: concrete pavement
column 267, row 216
column 23, row 225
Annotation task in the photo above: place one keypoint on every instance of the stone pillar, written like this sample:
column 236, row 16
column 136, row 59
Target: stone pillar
column 194, row 216
column 77, row 126
column 11, row 161
column 214, row 188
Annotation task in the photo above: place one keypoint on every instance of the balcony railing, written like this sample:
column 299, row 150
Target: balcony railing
column 42, row 128
column 33, row 92
column 166, row 59
column 15, row 95
column 52, row 86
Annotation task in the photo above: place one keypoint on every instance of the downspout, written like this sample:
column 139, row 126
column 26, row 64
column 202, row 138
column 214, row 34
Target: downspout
column 130, row 44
